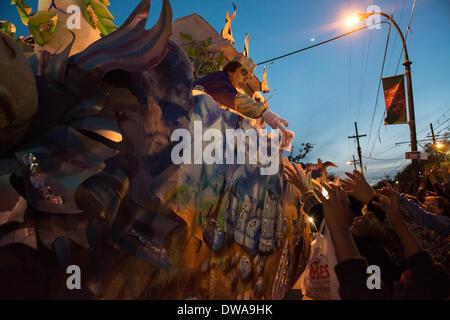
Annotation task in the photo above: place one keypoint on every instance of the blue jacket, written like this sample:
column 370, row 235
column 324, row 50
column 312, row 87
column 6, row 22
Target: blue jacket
column 440, row 224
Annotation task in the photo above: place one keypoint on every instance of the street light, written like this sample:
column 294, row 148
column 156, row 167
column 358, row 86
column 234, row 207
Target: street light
column 439, row 145
column 407, row 63
column 353, row 20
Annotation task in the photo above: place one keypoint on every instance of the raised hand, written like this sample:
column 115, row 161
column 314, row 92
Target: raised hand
column 390, row 205
column 358, row 186
column 445, row 175
column 338, row 217
column 298, row 177
column 388, row 191
column 432, row 177
column 336, row 209
column 387, row 200
column 337, row 179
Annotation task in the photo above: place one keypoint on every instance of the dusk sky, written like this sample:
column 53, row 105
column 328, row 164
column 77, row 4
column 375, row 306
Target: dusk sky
column 323, row 91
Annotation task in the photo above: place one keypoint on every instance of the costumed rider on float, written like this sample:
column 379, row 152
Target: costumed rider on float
column 226, row 88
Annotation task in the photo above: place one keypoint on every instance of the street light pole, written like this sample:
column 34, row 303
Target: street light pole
column 412, row 118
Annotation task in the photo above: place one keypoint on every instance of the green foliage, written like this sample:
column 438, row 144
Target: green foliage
column 179, row 195
column 8, row 28
column 199, row 218
column 23, row 9
column 42, row 25
column 206, row 205
column 203, row 61
column 185, row 36
column 98, row 16
column 302, row 153
column 221, row 218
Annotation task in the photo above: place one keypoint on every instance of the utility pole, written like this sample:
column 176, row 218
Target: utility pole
column 354, row 162
column 357, row 136
column 436, row 154
column 432, row 134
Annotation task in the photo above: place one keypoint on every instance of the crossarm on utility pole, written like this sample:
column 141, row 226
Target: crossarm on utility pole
column 357, row 136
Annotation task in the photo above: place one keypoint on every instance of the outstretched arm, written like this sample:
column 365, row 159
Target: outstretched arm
column 249, row 107
column 351, row 269
column 440, row 224
column 429, row 278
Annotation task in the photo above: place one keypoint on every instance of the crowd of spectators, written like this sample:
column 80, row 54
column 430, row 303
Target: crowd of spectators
column 406, row 235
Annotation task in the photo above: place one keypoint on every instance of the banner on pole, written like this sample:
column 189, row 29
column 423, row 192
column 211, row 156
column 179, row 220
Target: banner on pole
column 395, row 98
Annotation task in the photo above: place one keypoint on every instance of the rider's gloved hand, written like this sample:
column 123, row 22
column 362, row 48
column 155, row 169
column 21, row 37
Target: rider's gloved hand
column 274, row 120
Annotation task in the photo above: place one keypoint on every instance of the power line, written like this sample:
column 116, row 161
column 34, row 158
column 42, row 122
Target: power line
column 407, row 32
column 376, row 101
column 401, row 163
column 442, row 123
column 442, row 130
column 316, row 45
column 394, row 42
column 389, row 167
column 401, row 53
column 349, row 79
column 421, row 145
column 383, row 159
column 424, row 137
column 442, row 116
column 378, row 132
column 379, row 86
column 363, row 75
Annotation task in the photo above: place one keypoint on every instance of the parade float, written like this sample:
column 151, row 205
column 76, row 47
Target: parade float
column 87, row 179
